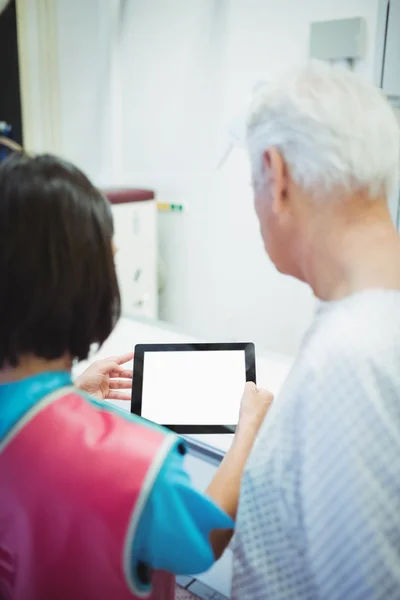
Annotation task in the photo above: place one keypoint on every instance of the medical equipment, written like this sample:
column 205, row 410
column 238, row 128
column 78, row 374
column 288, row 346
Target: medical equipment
column 338, row 39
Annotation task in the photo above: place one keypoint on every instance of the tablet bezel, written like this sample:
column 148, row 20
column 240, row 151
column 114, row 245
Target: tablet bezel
column 137, row 385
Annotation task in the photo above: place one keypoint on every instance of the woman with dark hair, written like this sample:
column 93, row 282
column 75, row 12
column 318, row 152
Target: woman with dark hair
column 92, row 500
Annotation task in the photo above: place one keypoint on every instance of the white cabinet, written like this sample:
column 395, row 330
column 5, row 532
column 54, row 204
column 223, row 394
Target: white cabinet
column 135, row 228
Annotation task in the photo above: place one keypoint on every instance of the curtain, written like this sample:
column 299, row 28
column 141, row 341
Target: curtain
column 165, row 106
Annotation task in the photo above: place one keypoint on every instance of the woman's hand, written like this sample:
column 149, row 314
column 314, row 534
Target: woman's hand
column 105, row 378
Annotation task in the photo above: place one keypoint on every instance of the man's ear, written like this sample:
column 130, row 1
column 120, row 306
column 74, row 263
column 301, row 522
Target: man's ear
column 276, row 167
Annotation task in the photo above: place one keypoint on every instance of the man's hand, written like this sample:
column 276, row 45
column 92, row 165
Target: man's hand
column 253, row 409
column 105, row 378
column 225, row 486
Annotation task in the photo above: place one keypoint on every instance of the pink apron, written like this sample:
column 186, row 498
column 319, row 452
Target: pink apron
column 74, row 480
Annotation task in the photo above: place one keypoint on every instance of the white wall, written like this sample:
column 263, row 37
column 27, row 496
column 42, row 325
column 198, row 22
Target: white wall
column 220, row 283
column 181, row 69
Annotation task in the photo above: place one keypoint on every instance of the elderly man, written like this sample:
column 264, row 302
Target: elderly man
column 319, row 515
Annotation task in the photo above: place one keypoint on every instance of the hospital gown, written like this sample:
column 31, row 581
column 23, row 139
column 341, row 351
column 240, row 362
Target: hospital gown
column 319, row 514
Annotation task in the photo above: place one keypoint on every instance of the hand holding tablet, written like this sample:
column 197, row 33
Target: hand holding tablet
column 192, row 388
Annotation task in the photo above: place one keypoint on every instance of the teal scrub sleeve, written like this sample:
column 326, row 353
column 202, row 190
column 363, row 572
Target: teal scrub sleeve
column 174, row 530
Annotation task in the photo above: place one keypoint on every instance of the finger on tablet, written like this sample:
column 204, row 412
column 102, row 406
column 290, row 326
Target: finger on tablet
column 120, row 385
column 113, row 395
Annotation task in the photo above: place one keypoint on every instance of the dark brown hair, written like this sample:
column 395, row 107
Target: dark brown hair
column 58, row 287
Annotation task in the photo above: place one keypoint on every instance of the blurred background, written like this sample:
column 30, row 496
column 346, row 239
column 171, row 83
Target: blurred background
column 143, row 96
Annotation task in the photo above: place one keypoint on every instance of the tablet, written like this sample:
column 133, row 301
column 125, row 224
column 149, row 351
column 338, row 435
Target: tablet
column 192, row 388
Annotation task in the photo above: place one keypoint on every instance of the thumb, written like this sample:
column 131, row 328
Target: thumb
column 251, row 386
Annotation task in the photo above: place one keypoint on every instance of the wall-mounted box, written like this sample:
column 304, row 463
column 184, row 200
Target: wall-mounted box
column 340, row 39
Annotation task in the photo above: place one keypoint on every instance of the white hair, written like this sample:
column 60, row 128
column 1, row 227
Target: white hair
column 332, row 129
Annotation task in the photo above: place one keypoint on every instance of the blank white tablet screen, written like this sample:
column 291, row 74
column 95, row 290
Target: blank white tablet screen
column 193, row 388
